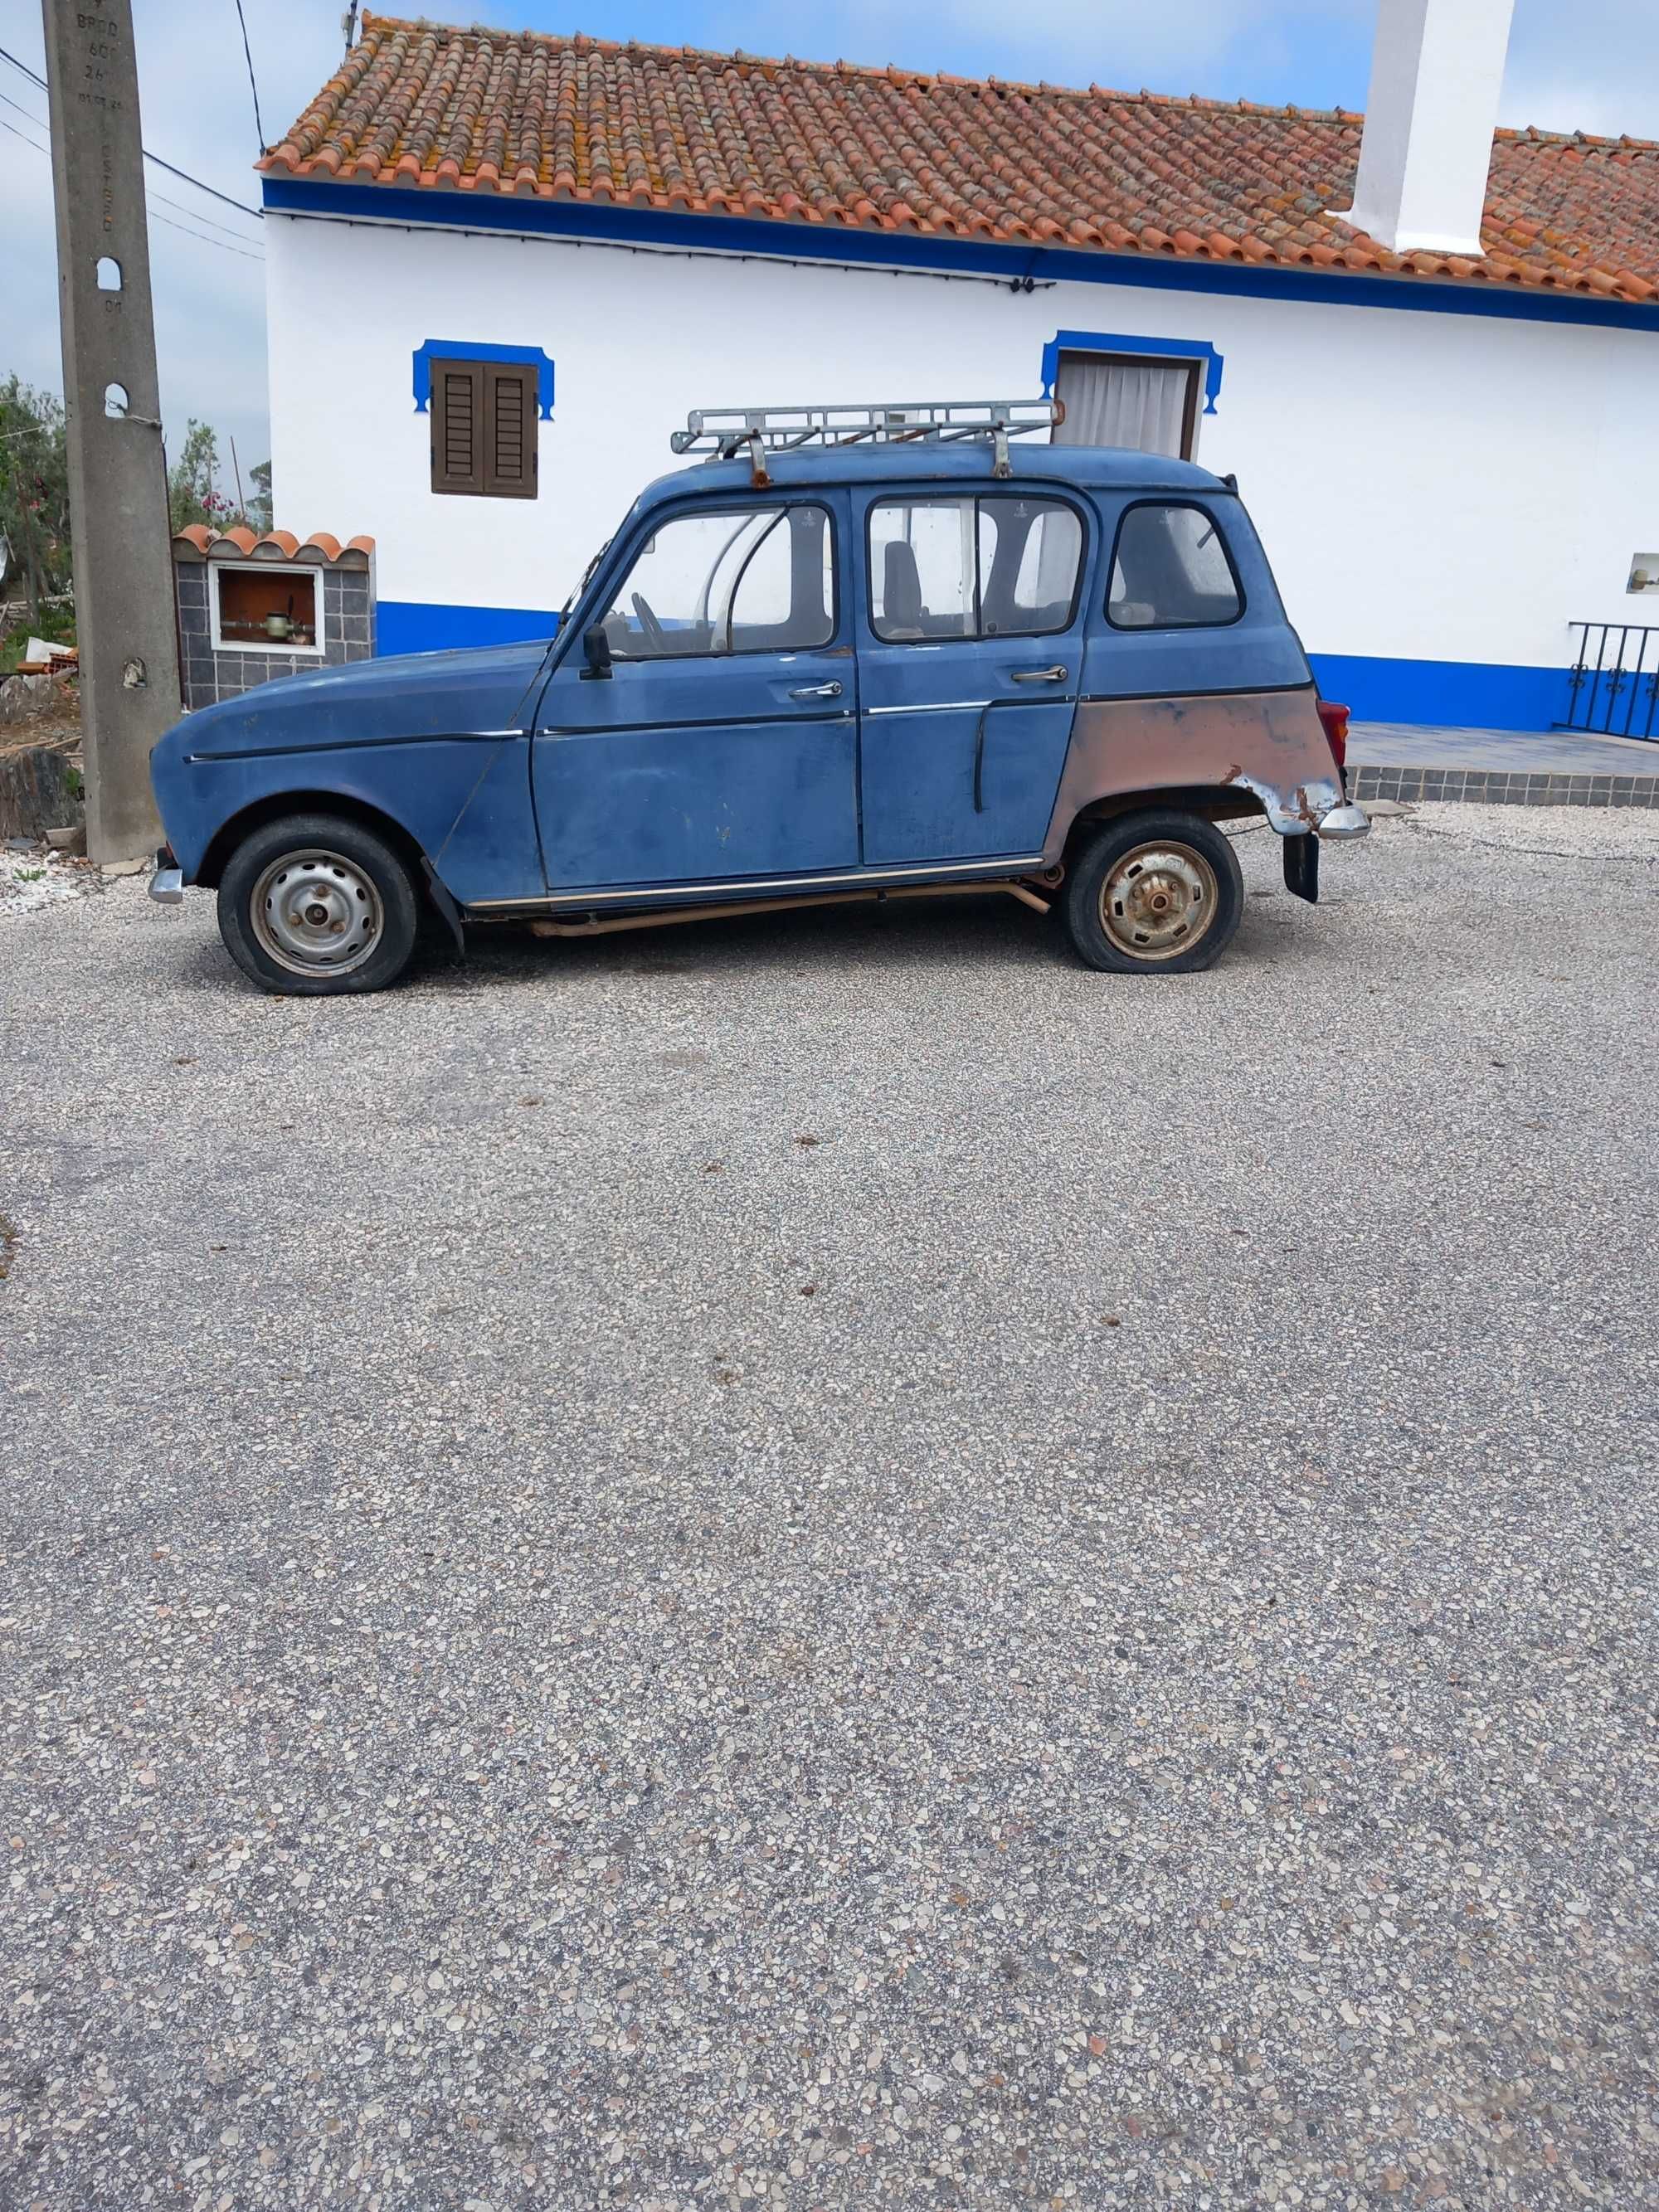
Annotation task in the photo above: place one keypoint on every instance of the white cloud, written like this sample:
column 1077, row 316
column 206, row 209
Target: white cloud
column 1592, row 67
column 1224, row 49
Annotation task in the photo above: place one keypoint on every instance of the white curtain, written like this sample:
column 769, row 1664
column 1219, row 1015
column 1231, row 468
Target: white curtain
column 1114, row 402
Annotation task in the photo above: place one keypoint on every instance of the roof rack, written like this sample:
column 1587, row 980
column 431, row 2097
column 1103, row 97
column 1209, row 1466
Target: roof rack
column 723, row 432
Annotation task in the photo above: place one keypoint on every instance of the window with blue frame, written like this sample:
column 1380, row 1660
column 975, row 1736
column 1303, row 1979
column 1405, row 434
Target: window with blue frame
column 1124, row 390
column 486, row 404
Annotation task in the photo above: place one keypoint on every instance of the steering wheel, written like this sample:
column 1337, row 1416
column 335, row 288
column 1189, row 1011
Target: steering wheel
column 655, row 636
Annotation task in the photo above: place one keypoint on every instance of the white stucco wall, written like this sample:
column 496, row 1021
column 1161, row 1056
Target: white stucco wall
column 1429, row 487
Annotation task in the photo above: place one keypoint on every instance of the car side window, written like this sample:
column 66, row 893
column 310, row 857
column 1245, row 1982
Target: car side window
column 1171, row 571
column 1030, row 553
column 923, row 568
column 998, row 566
column 750, row 580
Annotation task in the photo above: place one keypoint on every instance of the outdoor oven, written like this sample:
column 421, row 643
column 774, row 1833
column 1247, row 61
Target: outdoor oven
column 254, row 608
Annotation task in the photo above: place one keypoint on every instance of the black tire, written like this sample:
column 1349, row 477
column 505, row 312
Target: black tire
column 356, row 931
column 1202, row 885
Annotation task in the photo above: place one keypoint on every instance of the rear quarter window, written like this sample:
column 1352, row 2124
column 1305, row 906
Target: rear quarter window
column 1171, row 570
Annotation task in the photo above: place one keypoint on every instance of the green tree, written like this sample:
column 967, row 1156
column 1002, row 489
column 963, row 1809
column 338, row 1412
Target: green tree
column 193, row 494
column 260, row 508
column 34, row 516
column 199, row 490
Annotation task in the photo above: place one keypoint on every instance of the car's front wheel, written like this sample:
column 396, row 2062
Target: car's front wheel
column 1154, row 892
column 313, row 904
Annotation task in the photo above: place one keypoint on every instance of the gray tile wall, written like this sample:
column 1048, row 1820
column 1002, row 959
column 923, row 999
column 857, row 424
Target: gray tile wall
column 349, row 628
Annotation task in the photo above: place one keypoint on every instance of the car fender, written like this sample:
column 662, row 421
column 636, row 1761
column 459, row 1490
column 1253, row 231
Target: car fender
column 435, row 745
column 1243, row 752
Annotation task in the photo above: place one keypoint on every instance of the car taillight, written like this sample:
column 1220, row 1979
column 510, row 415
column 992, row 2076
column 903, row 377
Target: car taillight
column 1335, row 719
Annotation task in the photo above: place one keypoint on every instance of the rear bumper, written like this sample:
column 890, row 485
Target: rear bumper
column 1345, row 821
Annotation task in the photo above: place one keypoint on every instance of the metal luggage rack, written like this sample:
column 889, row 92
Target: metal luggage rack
column 724, row 432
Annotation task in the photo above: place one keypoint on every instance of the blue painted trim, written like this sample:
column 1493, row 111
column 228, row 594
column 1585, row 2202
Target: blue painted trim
column 1160, row 348
column 1470, row 695
column 471, row 349
column 800, row 242
column 420, row 626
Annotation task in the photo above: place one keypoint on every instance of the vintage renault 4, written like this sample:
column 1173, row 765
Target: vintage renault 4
column 854, row 653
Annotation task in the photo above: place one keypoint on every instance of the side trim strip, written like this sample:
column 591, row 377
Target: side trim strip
column 1220, row 691
column 358, row 744
column 785, row 714
column 931, row 706
column 741, row 886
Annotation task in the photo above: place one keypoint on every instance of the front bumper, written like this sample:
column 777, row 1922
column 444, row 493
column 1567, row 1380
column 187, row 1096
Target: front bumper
column 167, row 886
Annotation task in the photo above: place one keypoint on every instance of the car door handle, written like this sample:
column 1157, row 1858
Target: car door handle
column 817, row 691
column 1054, row 675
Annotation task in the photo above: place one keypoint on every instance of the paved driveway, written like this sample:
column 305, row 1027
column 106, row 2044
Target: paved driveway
column 835, row 1563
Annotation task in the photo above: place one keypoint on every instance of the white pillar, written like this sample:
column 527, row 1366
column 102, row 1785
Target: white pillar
column 1437, row 74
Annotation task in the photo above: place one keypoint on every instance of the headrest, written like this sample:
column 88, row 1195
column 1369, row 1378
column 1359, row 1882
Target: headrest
column 900, row 598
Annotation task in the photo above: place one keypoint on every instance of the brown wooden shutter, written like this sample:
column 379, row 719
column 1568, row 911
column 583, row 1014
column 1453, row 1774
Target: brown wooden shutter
column 510, row 415
column 458, row 423
column 484, row 429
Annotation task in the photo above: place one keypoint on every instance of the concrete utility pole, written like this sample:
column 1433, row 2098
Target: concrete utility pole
column 123, row 613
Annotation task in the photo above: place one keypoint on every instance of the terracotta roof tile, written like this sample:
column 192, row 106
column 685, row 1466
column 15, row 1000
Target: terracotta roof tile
column 240, row 542
column 425, row 106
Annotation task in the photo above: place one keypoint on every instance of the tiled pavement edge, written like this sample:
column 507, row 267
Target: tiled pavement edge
column 1504, row 768
column 1502, row 786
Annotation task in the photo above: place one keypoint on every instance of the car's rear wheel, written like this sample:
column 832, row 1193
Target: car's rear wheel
column 314, row 904
column 1159, row 892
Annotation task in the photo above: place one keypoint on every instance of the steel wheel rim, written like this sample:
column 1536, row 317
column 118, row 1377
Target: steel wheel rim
column 316, row 912
column 1158, row 901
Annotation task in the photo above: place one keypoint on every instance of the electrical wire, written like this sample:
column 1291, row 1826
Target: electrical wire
column 200, row 236
column 240, row 206
column 252, row 86
column 240, row 236
column 24, row 135
column 212, row 221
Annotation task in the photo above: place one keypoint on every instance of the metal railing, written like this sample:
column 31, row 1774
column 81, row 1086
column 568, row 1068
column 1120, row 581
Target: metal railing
column 1612, row 686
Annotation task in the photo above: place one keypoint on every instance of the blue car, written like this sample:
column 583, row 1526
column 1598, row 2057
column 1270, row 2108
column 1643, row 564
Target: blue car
column 854, row 653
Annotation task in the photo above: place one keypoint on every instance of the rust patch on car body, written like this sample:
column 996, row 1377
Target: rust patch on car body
column 1255, row 751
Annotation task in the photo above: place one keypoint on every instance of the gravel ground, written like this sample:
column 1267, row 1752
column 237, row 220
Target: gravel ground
column 828, row 1562
column 38, row 877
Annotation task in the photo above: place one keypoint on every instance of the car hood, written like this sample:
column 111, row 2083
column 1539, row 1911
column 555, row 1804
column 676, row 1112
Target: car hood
column 412, row 694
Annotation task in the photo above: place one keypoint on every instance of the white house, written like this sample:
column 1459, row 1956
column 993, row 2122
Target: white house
column 502, row 268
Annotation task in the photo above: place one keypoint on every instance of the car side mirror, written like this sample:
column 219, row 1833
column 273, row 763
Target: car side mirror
column 597, row 646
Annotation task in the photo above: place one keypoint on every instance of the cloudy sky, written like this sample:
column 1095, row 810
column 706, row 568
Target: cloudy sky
column 1593, row 66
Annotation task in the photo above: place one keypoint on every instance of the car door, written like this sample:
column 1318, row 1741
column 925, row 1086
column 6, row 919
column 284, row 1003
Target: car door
column 971, row 654
column 721, row 742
